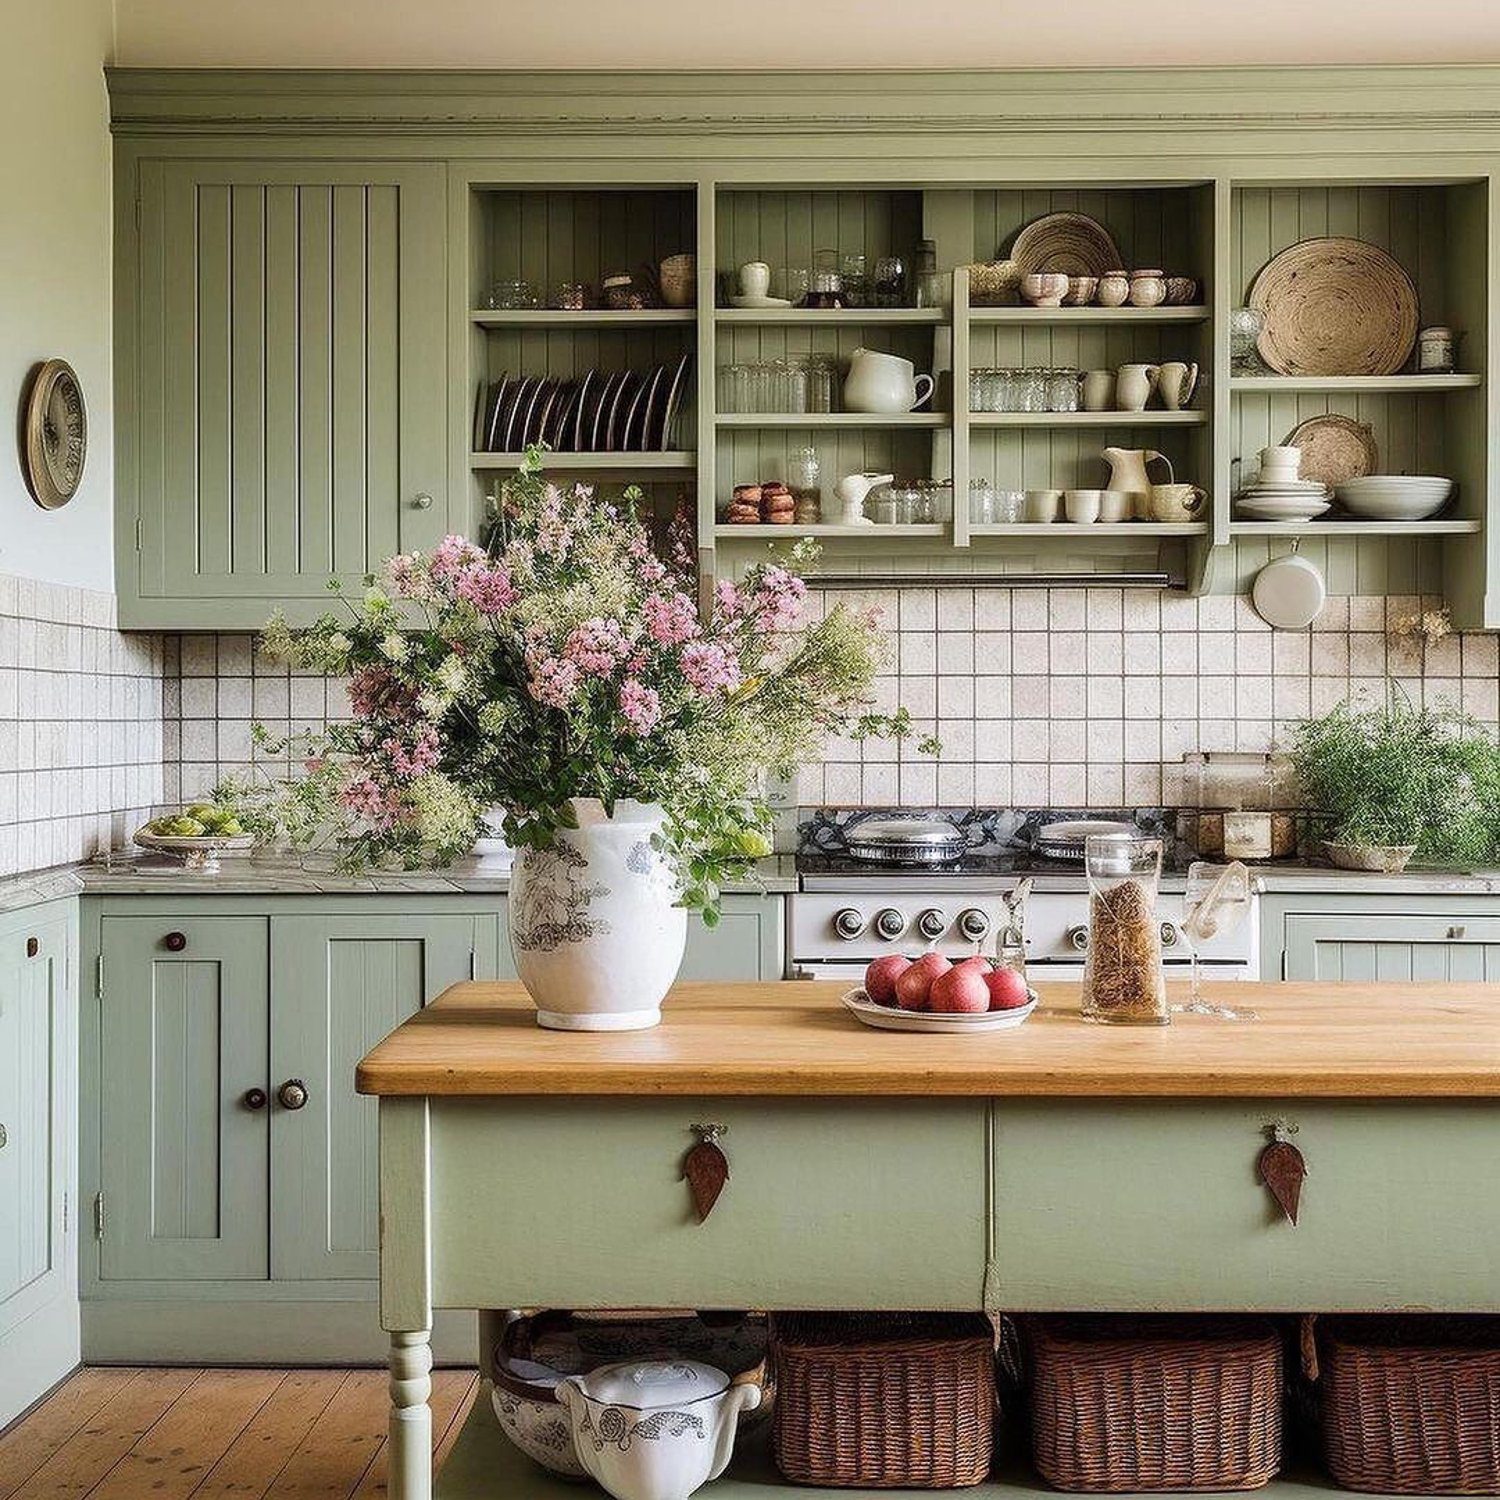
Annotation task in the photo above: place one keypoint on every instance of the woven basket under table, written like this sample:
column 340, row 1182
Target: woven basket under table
column 1411, row 1405
column 880, row 1401
column 1152, row 1403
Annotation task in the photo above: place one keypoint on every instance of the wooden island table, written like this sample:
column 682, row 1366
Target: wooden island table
column 1058, row 1166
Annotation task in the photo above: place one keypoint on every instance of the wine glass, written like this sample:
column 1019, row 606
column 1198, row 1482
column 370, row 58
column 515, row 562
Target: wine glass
column 1215, row 900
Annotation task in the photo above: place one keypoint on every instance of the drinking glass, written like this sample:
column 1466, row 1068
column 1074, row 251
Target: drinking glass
column 1033, row 390
column 1062, row 390
column 1245, row 324
column 796, row 374
column 1010, row 507
column 1215, row 900
column 820, row 382
column 890, row 281
column 981, row 502
column 856, row 280
column 977, row 379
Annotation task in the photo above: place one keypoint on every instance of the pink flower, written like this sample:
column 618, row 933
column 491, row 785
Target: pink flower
column 488, row 589
column 777, row 599
column 640, row 706
column 419, row 757
column 596, row 646
column 454, row 555
column 671, row 619
column 366, row 798
column 728, row 601
column 710, row 668
column 553, row 681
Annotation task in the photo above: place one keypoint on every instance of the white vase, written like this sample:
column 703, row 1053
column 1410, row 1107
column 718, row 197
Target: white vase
column 594, row 925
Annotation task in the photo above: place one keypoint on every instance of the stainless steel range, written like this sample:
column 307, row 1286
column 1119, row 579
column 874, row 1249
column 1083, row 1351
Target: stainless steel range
column 899, row 882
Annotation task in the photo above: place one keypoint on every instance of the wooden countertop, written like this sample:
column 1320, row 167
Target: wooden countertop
column 794, row 1038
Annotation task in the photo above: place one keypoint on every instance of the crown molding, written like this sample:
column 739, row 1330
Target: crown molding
column 779, row 104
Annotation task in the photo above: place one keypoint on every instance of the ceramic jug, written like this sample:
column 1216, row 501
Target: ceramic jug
column 883, row 383
column 1127, row 471
column 1134, row 385
column 655, row 1429
column 851, row 490
column 1177, row 381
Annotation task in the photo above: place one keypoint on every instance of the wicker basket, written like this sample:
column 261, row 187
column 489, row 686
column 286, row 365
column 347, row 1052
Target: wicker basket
column 883, row 1401
column 1411, row 1405
column 1155, row 1403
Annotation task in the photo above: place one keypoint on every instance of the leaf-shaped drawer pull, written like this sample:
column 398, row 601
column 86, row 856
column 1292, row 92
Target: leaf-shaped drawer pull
column 705, row 1168
column 1282, row 1168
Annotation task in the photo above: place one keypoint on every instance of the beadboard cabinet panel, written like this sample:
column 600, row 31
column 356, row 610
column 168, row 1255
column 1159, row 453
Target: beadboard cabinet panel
column 184, row 1032
column 1392, row 948
column 339, row 984
column 281, row 365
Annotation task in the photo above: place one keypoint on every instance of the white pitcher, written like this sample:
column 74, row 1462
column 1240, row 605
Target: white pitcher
column 883, row 383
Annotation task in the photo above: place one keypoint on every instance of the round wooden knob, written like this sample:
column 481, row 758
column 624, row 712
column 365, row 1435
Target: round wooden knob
column 33, row 947
column 255, row 1099
column 175, row 942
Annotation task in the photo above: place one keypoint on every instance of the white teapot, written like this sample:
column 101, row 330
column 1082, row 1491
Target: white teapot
column 883, row 383
column 656, row 1429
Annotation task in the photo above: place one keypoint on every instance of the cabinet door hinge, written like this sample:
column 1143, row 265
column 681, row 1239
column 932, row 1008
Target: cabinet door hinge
column 137, row 533
column 98, row 1216
column 99, row 977
column 473, row 964
column 65, row 1213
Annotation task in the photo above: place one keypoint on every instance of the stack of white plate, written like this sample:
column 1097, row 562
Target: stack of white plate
column 1281, row 500
column 1394, row 497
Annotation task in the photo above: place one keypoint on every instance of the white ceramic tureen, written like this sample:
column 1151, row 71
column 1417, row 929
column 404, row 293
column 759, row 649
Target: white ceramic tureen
column 655, row 1429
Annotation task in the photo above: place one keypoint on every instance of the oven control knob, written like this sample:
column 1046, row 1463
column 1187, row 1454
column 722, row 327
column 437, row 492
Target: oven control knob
column 1170, row 935
column 1078, row 937
column 973, row 923
column 848, row 923
column 932, row 923
column 889, row 923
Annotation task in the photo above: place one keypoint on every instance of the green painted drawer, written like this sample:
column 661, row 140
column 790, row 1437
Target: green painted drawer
column 1158, row 1205
column 580, row 1203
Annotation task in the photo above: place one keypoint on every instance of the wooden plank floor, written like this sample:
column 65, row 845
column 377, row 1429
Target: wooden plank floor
column 155, row 1434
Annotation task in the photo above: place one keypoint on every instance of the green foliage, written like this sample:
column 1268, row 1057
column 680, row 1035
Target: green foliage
column 1396, row 774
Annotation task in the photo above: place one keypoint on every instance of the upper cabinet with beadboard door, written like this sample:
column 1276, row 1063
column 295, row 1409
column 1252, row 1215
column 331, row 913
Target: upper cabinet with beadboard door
column 280, row 358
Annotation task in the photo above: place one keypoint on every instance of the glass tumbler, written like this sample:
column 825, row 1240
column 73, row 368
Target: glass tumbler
column 1062, row 390
column 820, row 381
column 981, row 502
column 1122, row 977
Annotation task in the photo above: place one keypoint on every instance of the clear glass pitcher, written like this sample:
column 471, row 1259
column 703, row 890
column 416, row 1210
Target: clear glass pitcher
column 1123, row 980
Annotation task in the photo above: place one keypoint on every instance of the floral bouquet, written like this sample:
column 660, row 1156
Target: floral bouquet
column 568, row 661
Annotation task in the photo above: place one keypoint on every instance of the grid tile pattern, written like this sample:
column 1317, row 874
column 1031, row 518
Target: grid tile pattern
column 81, row 725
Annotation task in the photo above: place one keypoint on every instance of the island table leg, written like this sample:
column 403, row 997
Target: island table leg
column 411, row 1416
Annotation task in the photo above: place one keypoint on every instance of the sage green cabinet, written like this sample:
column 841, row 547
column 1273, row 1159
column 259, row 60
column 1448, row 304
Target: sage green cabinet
column 38, row 1109
column 748, row 943
column 338, row 985
column 281, row 411
column 184, row 1033
column 1395, row 948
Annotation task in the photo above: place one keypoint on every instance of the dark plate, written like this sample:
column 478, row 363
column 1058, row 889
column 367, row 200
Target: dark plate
column 663, row 433
column 515, row 413
column 617, row 410
column 582, row 409
column 600, row 426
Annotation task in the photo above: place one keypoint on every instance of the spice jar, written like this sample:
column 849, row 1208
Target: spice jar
column 1435, row 351
column 1122, row 979
column 1148, row 288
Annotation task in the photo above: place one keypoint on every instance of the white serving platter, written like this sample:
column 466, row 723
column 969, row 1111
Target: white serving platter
column 890, row 1018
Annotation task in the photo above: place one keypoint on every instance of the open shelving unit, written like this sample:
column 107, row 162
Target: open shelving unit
column 1221, row 230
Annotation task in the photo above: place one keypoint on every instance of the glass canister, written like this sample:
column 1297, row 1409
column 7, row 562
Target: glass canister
column 1122, row 979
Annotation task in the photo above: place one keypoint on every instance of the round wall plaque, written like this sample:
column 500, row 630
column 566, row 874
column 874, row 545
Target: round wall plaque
column 55, row 434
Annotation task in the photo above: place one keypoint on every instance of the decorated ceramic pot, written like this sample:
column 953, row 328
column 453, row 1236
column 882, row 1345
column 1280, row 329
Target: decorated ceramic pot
column 656, row 1429
column 595, row 927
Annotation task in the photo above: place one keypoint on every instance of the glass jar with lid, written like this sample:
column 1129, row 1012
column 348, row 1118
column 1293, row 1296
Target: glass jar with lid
column 1122, row 978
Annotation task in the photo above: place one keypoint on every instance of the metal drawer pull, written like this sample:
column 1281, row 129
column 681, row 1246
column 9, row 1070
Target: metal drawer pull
column 292, row 1094
column 254, row 1099
column 422, row 502
column 1282, row 1168
column 4, row 1137
column 706, row 1168
column 1457, row 932
column 174, row 942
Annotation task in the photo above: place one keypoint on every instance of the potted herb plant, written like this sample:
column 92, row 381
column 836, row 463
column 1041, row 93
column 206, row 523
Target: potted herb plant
column 567, row 675
column 1391, row 781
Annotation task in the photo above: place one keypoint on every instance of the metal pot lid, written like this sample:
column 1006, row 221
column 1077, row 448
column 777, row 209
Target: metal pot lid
column 914, row 833
column 1077, row 830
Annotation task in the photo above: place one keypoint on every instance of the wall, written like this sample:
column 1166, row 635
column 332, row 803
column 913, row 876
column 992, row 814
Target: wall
column 55, row 268
column 1060, row 697
column 788, row 33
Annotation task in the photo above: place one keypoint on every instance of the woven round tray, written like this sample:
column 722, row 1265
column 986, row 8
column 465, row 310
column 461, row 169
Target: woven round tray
column 1335, row 307
column 1069, row 242
column 1334, row 448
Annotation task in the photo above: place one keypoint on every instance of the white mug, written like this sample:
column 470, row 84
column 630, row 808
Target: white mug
column 1099, row 390
column 755, row 279
column 1043, row 506
column 1115, row 506
column 1082, row 506
column 1280, row 462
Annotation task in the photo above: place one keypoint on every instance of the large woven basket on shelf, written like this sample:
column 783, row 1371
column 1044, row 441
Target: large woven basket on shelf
column 879, row 1401
column 1411, row 1405
column 1137, row 1403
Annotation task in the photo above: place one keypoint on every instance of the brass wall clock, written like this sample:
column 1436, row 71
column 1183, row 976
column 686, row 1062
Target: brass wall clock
column 55, row 434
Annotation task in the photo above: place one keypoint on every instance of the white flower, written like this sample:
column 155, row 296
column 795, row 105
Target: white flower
column 339, row 646
column 453, row 675
column 393, row 647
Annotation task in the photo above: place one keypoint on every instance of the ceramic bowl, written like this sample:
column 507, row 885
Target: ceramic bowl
column 1394, row 497
column 1080, row 291
column 1045, row 288
column 535, row 1353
